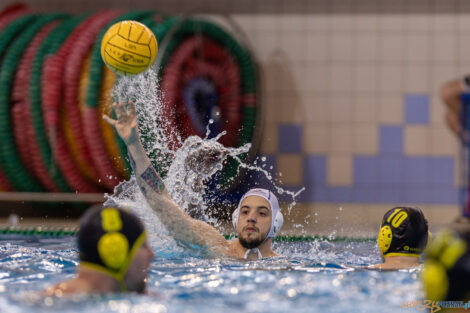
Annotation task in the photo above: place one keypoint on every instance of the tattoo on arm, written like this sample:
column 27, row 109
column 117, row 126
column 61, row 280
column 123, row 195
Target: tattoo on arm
column 152, row 179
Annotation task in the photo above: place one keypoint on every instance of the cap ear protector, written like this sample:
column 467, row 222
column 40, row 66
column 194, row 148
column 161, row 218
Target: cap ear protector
column 385, row 239
column 401, row 232
column 277, row 217
column 108, row 240
column 113, row 247
column 447, row 267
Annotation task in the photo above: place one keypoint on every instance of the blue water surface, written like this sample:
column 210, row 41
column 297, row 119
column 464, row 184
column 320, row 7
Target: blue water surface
column 316, row 276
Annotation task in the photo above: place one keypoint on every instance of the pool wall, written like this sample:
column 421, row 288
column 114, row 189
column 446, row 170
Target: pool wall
column 350, row 97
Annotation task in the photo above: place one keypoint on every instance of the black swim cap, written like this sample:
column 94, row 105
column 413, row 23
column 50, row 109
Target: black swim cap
column 404, row 231
column 108, row 239
column 446, row 274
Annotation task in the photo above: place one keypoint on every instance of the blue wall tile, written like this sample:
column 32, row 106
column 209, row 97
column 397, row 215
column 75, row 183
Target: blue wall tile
column 417, row 109
column 390, row 193
column 391, row 140
column 416, row 170
column 442, row 170
column 315, row 170
column 445, row 195
column 341, row 194
column 390, row 169
column 365, row 193
column 365, row 169
column 290, row 138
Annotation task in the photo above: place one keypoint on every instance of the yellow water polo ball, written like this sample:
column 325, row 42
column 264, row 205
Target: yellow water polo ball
column 129, row 48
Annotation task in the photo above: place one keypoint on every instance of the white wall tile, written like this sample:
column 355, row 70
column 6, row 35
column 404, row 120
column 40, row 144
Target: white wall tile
column 266, row 22
column 341, row 78
column 443, row 142
column 365, row 22
column 391, row 78
column 340, row 47
column 290, row 169
column 444, row 22
column 365, row 108
column 444, row 47
column 340, row 22
column 417, row 47
column 339, row 170
column 317, row 22
column 416, row 140
column 318, row 109
column 366, row 47
column 417, row 22
column 318, row 76
column 270, row 138
column 341, row 138
column 341, row 108
column 391, row 47
column 391, row 22
column 417, row 79
column 366, row 140
column 294, row 45
column 267, row 45
column 391, row 109
column 463, row 22
column 437, row 110
column 441, row 74
column 292, row 22
column 317, row 46
column 316, row 138
column 463, row 44
column 365, row 78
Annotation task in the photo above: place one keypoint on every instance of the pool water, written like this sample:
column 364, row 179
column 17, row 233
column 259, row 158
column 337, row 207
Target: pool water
column 315, row 276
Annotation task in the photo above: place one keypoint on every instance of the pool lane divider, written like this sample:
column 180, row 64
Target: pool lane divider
column 60, row 232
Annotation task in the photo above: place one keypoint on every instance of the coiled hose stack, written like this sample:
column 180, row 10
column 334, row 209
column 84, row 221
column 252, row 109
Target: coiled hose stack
column 55, row 88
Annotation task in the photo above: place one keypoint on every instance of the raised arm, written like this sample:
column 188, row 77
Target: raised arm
column 180, row 225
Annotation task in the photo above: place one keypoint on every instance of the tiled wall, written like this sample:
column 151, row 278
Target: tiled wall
column 350, row 91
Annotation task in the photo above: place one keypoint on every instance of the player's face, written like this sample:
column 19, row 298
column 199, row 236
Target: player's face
column 254, row 221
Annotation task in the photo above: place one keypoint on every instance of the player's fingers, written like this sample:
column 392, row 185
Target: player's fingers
column 120, row 110
column 109, row 120
column 131, row 108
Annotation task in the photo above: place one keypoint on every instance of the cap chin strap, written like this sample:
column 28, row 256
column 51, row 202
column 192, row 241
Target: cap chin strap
column 414, row 255
column 254, row 250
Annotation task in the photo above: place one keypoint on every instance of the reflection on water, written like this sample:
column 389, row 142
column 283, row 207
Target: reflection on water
column 316, row 276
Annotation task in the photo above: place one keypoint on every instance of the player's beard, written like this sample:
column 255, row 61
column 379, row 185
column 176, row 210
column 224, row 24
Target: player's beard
column 253, row 243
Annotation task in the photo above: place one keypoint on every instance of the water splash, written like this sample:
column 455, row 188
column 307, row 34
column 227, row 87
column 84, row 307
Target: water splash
column 188, row 169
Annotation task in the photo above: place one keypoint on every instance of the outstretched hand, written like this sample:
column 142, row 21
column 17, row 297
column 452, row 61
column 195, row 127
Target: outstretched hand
column 126, row 122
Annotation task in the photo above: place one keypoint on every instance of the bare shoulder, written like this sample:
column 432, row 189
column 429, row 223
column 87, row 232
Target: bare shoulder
column 211, row 237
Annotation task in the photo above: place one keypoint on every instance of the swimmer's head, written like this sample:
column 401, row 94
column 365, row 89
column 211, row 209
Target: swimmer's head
column 404, row 231
column 109, row 239
column 446, row 273
column 265, row 222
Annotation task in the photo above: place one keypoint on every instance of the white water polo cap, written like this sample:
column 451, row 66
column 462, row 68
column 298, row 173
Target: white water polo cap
column 277, row 218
